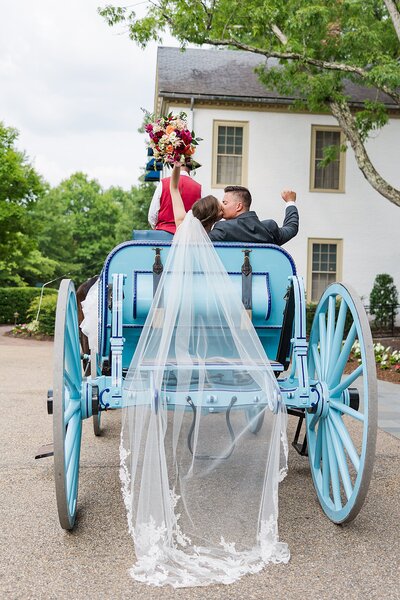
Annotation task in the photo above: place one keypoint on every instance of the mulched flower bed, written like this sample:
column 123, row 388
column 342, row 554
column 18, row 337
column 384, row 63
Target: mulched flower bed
column 30, row 336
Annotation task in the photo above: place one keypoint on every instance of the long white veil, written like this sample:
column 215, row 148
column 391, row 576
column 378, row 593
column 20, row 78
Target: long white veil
column 203, row 442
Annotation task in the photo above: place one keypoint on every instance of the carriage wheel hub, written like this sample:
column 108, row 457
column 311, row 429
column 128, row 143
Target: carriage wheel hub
column 321, row 406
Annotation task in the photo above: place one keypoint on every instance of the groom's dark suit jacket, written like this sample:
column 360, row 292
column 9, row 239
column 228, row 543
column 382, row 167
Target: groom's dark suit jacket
column 247, row 227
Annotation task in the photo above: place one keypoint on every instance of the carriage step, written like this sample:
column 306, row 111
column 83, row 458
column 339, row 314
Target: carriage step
column 300, row 447
column 45, row 451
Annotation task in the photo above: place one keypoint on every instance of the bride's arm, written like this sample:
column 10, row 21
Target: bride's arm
column 177, row 202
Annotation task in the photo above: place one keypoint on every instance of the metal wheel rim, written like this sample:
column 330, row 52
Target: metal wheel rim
column 67, row 423
column 332, row 423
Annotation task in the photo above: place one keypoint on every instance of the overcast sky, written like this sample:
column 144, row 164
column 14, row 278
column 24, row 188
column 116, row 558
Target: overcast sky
column 73, row 87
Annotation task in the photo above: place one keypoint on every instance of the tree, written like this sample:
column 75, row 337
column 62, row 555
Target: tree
column 134, row 209
column 79, row 223
column 383, row 301
column 76, row 222
column 320, row 46
column 21, row 262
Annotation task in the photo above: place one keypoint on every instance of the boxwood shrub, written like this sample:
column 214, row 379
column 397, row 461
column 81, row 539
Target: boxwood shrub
column 18, row 299
column 47, row 315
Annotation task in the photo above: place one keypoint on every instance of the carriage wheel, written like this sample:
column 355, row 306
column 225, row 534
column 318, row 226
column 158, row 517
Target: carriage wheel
column 94, row 372
column 254, row 418
column 342, row 425
column 67, row 422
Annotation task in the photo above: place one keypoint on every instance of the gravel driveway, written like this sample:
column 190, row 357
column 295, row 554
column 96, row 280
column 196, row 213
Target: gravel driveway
column 41, row 561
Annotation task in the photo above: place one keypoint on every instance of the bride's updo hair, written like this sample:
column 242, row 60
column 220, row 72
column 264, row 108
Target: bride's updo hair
column 207, row 210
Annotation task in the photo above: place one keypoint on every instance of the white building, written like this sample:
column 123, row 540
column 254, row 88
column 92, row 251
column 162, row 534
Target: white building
column 253, row 137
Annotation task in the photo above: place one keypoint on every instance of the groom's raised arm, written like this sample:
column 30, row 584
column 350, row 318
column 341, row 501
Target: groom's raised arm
column 290, row 226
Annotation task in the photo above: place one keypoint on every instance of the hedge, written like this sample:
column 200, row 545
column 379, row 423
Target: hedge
column 18, row 299
column 47, row 315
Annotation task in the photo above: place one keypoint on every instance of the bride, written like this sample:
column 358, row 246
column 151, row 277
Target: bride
column 203, row 441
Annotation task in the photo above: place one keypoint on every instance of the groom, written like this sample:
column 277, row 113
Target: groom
column 242, row 224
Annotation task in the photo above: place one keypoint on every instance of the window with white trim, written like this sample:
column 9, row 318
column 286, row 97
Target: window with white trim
column 329, row 178
column 324, row 266
column 230, row 153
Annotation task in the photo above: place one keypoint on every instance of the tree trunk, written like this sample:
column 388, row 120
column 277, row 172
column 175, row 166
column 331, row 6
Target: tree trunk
column 394, row 15
column 341, row 112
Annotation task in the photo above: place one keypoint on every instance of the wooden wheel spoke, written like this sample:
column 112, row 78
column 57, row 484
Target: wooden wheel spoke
column 346, row 439
column 317, row 361
column 72, row 483
column 337, row 338
column 314, row 421
column 341, row 460
column 343, row 357
column 346, row 383
column 330, row 332
column 318, row 448
column 71, row 438
column 333, row 469
column 72, row 351
column 74, row 406
column 72, row 387
column 343, row 408
column 325, row 461
column 322, row 341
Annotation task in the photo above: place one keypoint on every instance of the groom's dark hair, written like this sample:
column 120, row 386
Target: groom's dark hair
column 242, row 194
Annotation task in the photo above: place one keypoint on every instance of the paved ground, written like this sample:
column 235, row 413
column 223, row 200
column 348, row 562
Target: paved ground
column 39, row 560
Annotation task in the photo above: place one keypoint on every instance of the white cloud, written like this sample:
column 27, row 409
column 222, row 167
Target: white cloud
column 74, row 87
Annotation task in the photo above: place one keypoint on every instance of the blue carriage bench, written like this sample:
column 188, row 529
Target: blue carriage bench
column 317, row 383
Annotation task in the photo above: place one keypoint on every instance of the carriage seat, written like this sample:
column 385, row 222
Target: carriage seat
column 139, row 260
column 151, row 234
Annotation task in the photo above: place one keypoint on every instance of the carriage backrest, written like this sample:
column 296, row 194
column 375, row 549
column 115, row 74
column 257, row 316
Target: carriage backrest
column 271, row 269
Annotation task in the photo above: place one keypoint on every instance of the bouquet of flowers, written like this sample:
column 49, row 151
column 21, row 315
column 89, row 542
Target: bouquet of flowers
column 170, row 138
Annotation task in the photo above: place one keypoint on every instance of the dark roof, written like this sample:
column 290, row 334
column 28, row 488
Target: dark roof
column 227, row 75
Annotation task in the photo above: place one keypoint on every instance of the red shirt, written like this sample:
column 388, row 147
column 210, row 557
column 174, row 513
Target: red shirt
column 190, row 191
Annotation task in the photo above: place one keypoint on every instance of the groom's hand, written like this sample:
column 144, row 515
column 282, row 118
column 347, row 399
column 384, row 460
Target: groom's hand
column 288, row 196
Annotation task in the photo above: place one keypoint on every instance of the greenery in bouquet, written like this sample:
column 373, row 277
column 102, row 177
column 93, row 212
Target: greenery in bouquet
column 170, row 138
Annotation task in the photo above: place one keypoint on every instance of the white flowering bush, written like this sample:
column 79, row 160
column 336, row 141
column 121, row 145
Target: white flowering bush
column 385, row 357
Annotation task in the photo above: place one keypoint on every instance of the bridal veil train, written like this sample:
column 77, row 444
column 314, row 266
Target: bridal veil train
column 200, row 464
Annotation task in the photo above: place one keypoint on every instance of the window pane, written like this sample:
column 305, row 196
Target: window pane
column 229, row 155
column 324, row 268
column 320, row 282
column 229, row 170
column 326, row 177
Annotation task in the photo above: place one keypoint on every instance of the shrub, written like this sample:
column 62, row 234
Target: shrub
column 18, row 299
column 383, row 301
column 47, row 316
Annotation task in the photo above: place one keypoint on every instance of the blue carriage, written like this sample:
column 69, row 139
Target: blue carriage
column 334, row 399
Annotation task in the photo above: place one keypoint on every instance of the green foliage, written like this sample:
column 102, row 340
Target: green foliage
column 47, row 233
column 134, row 210
column 18, row 299
column 21, row 262
column 319, row 45
column 47, row 317
column 383, row 301
column 79, row 223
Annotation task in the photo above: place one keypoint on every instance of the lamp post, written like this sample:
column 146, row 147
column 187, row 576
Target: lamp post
column 16, row 315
